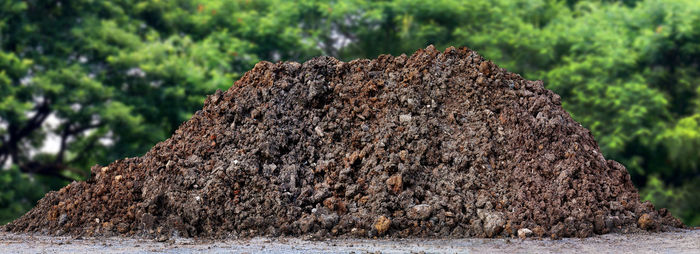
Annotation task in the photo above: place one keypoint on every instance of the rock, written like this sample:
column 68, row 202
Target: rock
column 419, row 212
column 485, row 68
column 493, row 223
column 558, row 231
column 647, row 222
column 319, row 131
column 351, row 191
column 403, row 154
column 538, row 231
column 481, row 200
column 169, row 164
column 615, row 206
column 395, row 183
column 524, row 233
column 476, row 226
column 306, row 224
column 62, row 219
column 147, row 220
column 122, row 228
column 508, row 228
column 358, row 232
column 162, row 238
column 612, row 222
column 329, row 220
column 364, row 127
column 599, row 224
column 405, row 118
column 320, row 194
column 382, row 224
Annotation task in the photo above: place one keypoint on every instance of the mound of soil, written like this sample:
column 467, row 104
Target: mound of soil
column 435, row 144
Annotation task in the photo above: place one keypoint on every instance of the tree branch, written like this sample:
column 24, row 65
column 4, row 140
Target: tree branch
column 3, row 159
column 49, row 169
column 62, row 149
column 67, row 131
column 17, row 134
column 10, row 147
column 88, row 147
column 42, row 112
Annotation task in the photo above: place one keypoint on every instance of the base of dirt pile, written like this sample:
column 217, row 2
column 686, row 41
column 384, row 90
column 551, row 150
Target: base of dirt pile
column 435, row 144
column 679, row 241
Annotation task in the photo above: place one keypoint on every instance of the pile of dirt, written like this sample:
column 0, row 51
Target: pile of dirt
column 435, row 144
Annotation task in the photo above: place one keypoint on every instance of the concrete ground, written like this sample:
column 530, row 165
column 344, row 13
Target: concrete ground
column 686, row 241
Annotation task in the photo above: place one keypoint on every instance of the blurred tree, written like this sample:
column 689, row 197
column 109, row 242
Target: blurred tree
column 18, row 193
column 103, row 80
column 110, row 79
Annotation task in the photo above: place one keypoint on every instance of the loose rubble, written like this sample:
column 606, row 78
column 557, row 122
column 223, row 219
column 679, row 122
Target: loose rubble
column 434, row 144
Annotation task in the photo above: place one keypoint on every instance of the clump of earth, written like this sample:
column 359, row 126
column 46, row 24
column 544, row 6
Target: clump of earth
column 436, row 144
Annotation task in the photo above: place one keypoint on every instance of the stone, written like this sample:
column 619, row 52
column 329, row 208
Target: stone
column 62, row 219
column 395, row 183
column 419, row 212
column 538, row 231
column 524, row 233
column 493, row 223
column 646, row 222
column 405, row 118
column 382, row 224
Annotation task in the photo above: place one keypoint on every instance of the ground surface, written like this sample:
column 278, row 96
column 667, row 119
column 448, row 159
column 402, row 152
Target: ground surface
column 687, row 241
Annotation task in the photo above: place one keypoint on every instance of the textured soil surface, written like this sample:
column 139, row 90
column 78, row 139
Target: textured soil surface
column 433, row 144
column 685, row 241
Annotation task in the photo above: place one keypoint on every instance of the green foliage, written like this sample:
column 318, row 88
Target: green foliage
column 18, row 193
column 678, row 198
column 119, row 76
column 109, row 79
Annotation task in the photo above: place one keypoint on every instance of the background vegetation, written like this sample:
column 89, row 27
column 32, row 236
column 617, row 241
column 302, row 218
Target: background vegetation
column 85, row 82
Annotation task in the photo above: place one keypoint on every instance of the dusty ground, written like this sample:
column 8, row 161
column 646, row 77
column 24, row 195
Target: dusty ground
column 687, row 241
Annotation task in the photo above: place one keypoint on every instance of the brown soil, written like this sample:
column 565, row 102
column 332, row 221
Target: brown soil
column 435, row 144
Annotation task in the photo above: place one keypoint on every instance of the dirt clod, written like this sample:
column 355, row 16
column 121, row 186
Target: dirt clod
column 382, row 224
column 395, row 183
column 443, row 143
column 647, row 222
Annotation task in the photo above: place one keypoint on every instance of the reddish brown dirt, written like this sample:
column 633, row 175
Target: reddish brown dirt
column 435, row 144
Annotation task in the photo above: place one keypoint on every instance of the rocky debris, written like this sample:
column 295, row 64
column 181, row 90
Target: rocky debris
column 647, row 222
column 382, row 224
column 538, row 231
column 405, row 118
column 428, row 145
column 524, row 233
column 395, row 183
column 419, row 212
column 493, row 223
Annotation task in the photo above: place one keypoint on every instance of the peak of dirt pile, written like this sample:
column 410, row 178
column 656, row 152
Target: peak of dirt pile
column 435, row 144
